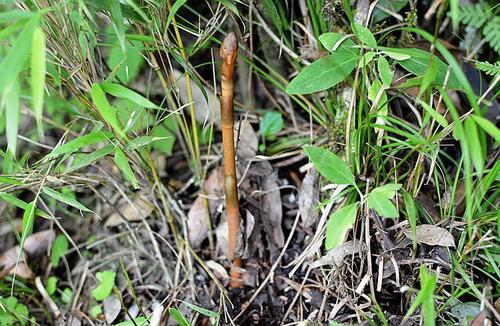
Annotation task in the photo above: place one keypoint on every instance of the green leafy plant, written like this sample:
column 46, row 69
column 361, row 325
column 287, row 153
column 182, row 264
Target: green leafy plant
column 334, row 169
column 106, row 283
column 12, row 311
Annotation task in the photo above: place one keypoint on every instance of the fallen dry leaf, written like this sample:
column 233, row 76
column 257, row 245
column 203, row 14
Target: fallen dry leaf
column 335, row 256
column 248, row 141
column 111, row 308
column 432, row 235
column 34, row 246
column 219, row 271
column 138, row 208
column 272, row 211
column 309, row 198
column 198, row 216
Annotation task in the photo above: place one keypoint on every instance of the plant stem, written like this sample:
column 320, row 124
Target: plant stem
column 228, row 53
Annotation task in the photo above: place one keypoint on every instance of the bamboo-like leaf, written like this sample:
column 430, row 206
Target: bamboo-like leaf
column 38, row 69
column 16, row 58
column 122, row 163
column 173, row 10
column 117, row 18
column 12, row 114
column 107, row 112
column 80, row 142
column 487, row 126
column 64, row 199
column 123, row 92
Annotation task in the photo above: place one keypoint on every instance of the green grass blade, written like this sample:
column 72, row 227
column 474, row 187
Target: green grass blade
column 38, row 70
column 122, row 163
column 12, row 115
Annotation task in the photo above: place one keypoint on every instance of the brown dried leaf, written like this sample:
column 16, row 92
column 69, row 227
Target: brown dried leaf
column 432, row 235
column 135, row 209
column 272, row 211
column 248, row 140
column 219, row 271
column 198, row 216
column 335, row 256
column 34, row 246
column 309, row 198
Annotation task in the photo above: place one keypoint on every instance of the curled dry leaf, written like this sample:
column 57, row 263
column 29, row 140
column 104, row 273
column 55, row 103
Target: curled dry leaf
column 309, row 198
column 432, row 235
column 219, row 271
column 34, row 246
column 248, row 141
column 134, row 209
column 272, row 211
column 335, row 256
column 198, row 216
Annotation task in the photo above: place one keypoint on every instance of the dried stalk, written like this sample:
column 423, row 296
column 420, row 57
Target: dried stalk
column 228, row 53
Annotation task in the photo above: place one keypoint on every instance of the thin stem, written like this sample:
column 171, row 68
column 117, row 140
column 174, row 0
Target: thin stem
column 228, row 53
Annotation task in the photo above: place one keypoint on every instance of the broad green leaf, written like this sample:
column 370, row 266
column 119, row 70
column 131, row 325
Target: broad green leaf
column 338, row 224
column 121, row 161
column 329, row 40
column 173, row 10
column 64, row 199
column 364, row 35
column 474, row 143
column 80, row 142
column 391, row 5
column 106, row 283
column 28, row 221
column 90, row 158
column 107, row 112
column 166, row 129
column 21, row 204
column 389, row 190
column 17, row 56
column 271, row 124
column 178, row 316
column 330, row 165
column 120, row 64
column 383, row 206
column 123, row 92
column 59, row 249
column 143, row 141
column 384, row 71
column 38, row 70
column 366, row 59
column 487, row 126
column 12, row 114
column 325, row 72
column 418, row 64
column 379, row 199
column 51, row 285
